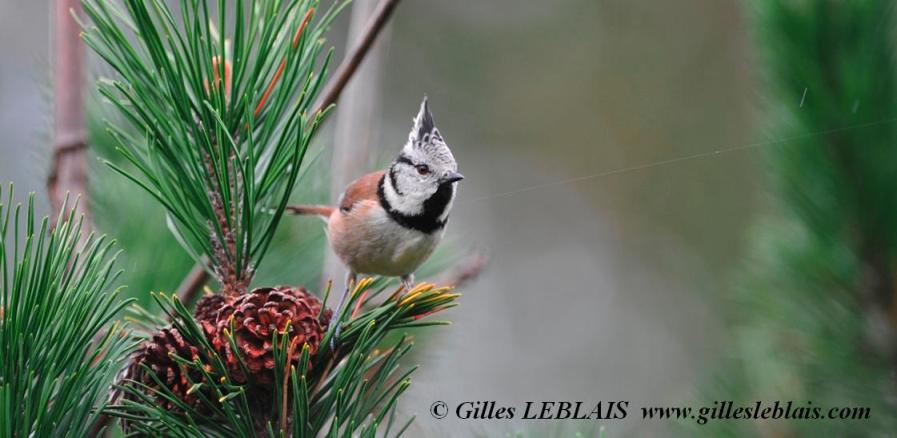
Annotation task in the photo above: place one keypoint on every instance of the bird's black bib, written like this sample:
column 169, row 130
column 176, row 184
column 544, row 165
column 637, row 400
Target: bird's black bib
column 428, row 220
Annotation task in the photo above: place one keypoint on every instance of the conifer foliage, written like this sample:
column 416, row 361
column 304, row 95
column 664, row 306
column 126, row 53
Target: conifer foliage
column 223, row 102
column 816, row 305
column 57, row 358
column 219, row 105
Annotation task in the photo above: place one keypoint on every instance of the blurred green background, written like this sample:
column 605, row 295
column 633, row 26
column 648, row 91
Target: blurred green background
column 587, row 131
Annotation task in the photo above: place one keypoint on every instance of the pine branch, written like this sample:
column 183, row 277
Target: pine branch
column 57, row 358
column 348, row 67
column 225, row 126
column 192, row 285
column 816, row 297
column 224, row 101
column 841, row 43
column 467, row 270
column 348, row 392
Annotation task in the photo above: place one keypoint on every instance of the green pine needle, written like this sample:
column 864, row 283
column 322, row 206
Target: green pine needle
column 59, row 352
column 823, row 265
column 350, row 392
column 222, row 96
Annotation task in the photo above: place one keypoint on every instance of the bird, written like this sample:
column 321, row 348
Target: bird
column 390, row 221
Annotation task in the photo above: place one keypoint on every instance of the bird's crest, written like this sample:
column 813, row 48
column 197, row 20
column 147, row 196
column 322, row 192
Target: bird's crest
column 424, row 131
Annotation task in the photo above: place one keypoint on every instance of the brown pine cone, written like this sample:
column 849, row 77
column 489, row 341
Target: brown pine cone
column 208, row 306
column 155, row 354
column 207, row 313
column 256, row 316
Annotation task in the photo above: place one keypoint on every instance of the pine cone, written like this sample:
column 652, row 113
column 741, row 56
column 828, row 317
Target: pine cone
column 256, row 316
column 207, row 313
column 155, row 354
column 208, row 306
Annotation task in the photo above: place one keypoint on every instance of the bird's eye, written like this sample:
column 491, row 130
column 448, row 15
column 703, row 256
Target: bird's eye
column 422, row 169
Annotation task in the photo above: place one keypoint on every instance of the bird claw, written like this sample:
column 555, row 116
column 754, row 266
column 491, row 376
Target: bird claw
column 408, row 283
column 334, row 340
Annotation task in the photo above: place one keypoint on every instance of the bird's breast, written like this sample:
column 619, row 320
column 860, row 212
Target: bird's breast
column 369, row 241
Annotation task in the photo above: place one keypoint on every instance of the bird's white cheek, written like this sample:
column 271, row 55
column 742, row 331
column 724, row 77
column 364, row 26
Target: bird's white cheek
column 402, row 204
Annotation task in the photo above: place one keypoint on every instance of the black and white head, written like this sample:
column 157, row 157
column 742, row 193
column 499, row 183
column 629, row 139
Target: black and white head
column 420, row 183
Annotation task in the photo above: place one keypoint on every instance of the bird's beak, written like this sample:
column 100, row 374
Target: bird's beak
column 452, row 176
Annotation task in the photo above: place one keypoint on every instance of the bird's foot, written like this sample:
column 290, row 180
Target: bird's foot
column 334, row 340
column 408, row 282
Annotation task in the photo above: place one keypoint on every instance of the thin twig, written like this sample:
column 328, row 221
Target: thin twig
column 347, row 68
column 192, row 284
column 466, row 271
column 68, row 168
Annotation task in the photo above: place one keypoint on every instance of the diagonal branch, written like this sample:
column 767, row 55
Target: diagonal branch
column 347, row 68
column 192, row 284
column 467, row 270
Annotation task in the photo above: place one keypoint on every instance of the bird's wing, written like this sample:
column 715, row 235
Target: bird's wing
column 364, row 188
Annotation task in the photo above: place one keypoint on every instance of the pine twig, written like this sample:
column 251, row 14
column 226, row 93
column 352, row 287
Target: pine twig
column 192, row 284
column 347, row 68
column 68, row 168
column 467, row 270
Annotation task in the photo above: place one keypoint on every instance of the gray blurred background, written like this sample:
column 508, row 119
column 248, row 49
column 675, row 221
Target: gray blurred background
column 599, row 288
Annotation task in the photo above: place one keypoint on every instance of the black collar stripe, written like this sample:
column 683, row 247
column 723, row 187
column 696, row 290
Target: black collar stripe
column 392, row 180
column 427, row 221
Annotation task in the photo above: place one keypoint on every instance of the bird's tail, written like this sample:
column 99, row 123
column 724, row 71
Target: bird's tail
column 319, row 210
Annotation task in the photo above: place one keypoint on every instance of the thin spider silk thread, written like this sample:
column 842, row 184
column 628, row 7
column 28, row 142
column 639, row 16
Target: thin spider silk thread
column 666, row 162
